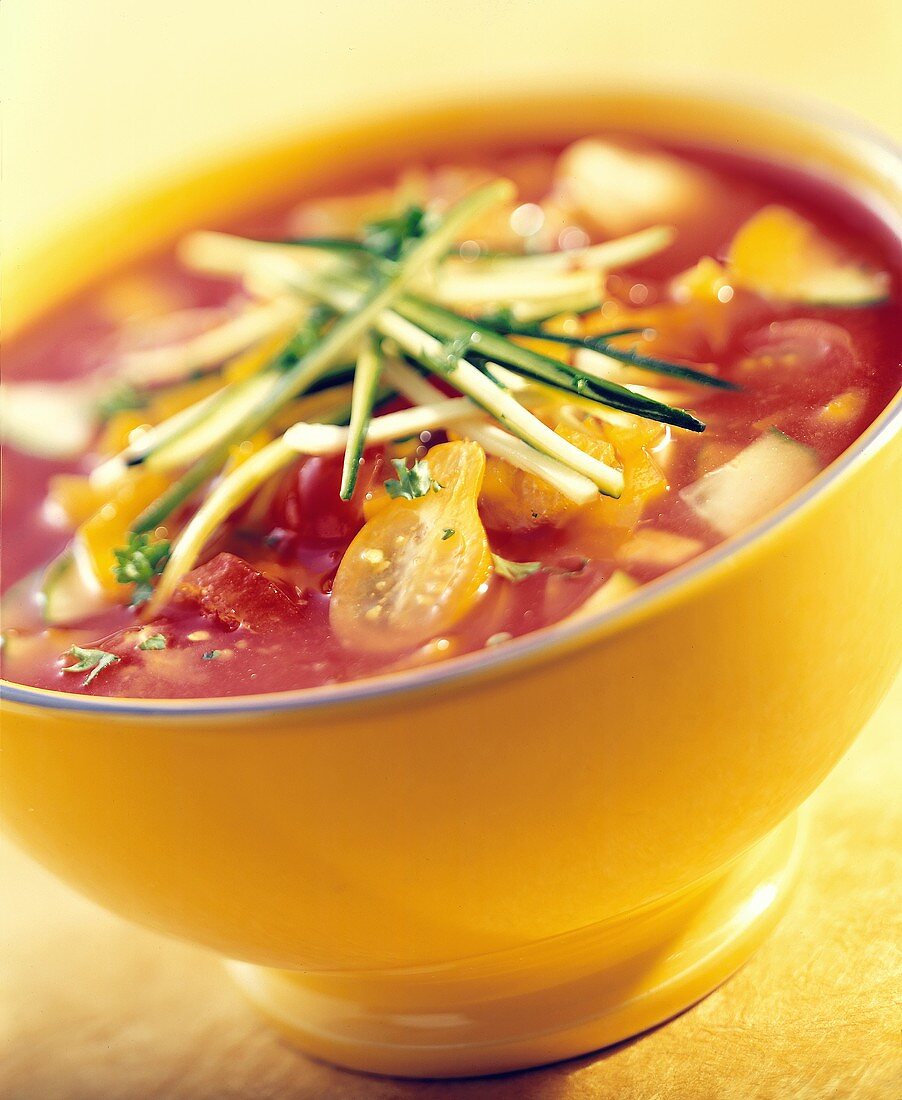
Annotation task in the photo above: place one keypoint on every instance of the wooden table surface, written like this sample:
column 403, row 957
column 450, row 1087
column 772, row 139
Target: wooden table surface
column 96, row 1009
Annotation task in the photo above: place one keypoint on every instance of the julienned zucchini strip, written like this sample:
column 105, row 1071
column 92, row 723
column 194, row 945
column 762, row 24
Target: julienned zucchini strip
column 341, row 337
column 602, row 345
column 276, row 265
column 366, row 384
column 409, row 382
column 431, row 411
column 302, row 439
column 368, row 300
column 343, row 291
column 491, row 345
column 607, row 256
column 468, row 379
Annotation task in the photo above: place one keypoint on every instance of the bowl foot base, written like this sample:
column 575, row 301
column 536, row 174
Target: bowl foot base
column 549, row 1000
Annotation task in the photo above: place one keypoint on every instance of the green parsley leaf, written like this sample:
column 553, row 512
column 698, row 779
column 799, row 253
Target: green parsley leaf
column 515, row 571
column 155, row 641
column 501, row 319
column 575, row 570
column 94, row 659
column 445, row 361
column 138, row 563
column 412, row 483
column 391, row 237
column 123, row 399
column 308, row 335
column 212, row 654
column 449, row 531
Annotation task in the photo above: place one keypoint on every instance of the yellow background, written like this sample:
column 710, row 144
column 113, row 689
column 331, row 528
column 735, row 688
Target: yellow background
column 98, row 93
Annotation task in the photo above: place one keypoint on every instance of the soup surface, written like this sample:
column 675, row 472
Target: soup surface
column 449, row 407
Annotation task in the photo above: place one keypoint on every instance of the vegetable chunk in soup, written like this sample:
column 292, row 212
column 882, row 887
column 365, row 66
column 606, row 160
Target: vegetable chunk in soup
column 428, row 413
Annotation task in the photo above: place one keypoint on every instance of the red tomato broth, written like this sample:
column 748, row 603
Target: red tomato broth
column 308, row 528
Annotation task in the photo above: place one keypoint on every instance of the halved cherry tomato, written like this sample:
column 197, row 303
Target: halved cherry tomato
column 417, row 567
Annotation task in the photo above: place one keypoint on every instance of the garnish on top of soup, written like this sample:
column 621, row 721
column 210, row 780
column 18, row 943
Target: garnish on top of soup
column 404, row 422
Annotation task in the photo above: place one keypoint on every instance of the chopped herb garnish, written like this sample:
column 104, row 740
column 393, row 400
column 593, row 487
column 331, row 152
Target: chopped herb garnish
column 95, row 660
column 515, row 571
column 452, row 352
column 138, row 563
column 307, row 337
column 572, row 571
column 212, row 654
column 123, row 399
column 155, row 641
column 390, row 237
column 448, row 532
column 412, row 483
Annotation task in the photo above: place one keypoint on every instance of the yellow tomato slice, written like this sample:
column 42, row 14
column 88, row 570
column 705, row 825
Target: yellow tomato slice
column 643, row 477
column 118, row 429
column 417, row 567
column 239, row 453
column 514, row 500
column 107, row 530
column 72, row 499
column 517, row 501
column 781, row 256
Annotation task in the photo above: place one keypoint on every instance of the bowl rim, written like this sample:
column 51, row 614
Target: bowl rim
column 547, row 643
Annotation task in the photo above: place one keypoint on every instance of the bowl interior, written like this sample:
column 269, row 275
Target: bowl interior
column 814, row 140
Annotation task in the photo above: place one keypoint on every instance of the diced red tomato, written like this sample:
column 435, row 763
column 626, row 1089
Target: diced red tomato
column 235, row 594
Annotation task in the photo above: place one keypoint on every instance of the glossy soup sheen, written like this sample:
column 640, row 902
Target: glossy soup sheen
column 305, row 529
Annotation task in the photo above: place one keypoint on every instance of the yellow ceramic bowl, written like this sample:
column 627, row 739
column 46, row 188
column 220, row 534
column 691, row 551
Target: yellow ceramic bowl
column 525, row 853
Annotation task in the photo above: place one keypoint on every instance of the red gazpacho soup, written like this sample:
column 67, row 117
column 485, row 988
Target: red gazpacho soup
column 429, row 412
